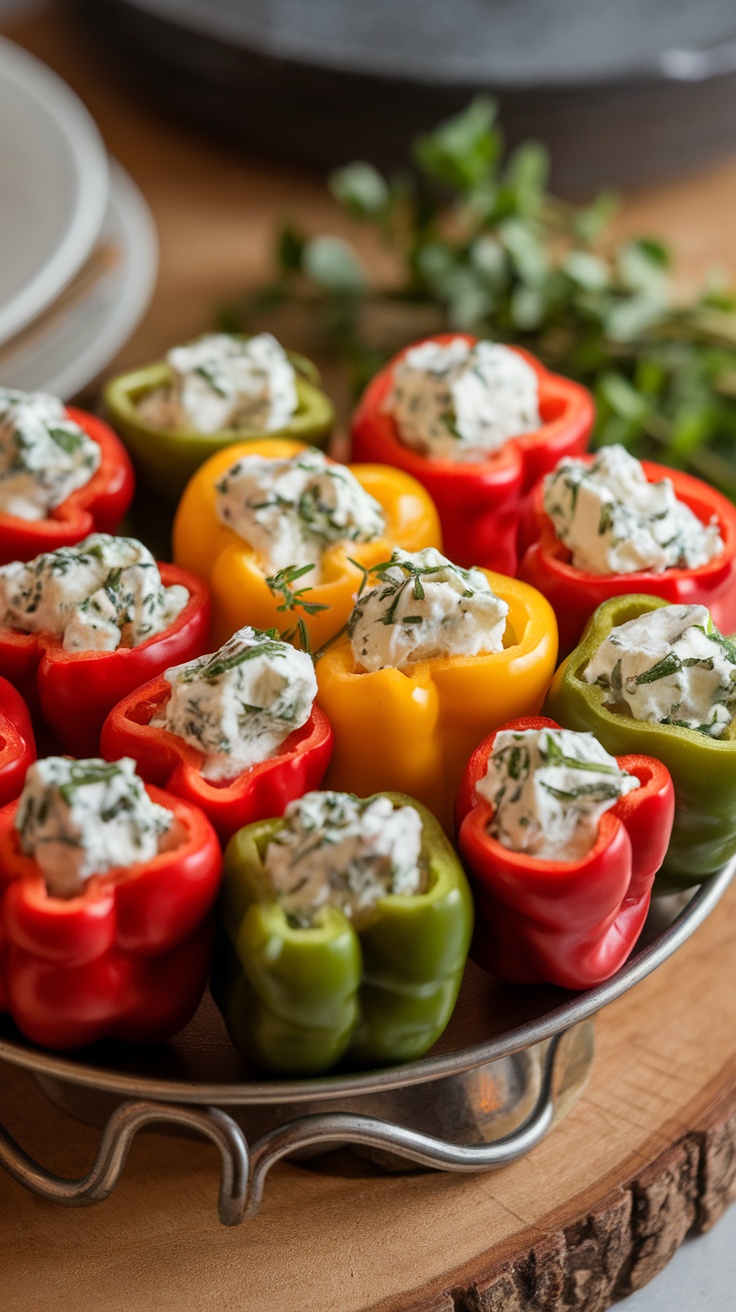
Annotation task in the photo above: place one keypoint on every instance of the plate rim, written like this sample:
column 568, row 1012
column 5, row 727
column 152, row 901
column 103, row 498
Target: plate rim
column 137, row 278
column 89, row 155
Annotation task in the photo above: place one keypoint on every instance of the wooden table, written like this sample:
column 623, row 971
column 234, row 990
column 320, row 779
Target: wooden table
column 649, row 1151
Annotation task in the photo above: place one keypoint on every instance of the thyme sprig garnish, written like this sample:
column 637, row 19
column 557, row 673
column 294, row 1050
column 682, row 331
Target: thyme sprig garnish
column 395, row 588
column 281, row 582
column 280, row 585
column 220, row 662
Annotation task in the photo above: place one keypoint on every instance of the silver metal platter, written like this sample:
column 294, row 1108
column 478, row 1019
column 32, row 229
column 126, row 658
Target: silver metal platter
column 491, row 1021
column 512, row 1063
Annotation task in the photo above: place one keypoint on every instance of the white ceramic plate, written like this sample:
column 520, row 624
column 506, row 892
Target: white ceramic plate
column 54, row 186
column 78, row 345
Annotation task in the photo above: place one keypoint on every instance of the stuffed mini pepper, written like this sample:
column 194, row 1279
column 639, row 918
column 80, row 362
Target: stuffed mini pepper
column 477, row 423
column 17, row 743
column 220, row 389
column 237, row 731
column 604, row 525
column 561, row 842
column 106, row 890
column 282, row 534
column 435, row 657
column 81, row 626
column 345, row 928
column 63, row 475
column 648, row 677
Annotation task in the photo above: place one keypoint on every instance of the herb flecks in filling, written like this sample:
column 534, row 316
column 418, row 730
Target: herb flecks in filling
column 44, row 455
column 239, row 704
column 458, row 401
column 83, row 818
column 669, row 666
column 548, row 789
column 102, row 594
column 223, row 382
column 336, row 850
column 423, row 606
column 614, row 521
column 290, row 511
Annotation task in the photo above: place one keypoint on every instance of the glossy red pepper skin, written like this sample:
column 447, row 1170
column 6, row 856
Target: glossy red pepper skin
column 575, row 594
column 480, row 503
column 73, row 692
column 17, row 744
column 98, row 507
column 259, row 793
column 570, row 923
column 126, row 959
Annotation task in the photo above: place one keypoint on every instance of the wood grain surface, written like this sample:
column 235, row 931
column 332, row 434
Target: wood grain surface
column 650, row 1151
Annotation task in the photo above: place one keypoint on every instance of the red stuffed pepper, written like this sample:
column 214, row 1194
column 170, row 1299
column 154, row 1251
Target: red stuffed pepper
column 259, row 792
column 124, row 956
column 17, row 746
column 73, row 690
column 572, row 922
column 96, row 507
column 480, row 500
column 576, row 593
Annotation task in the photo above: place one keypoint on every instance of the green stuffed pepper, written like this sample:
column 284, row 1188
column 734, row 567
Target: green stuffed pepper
column 642, row 670
column 320, row 955
column 219, row 389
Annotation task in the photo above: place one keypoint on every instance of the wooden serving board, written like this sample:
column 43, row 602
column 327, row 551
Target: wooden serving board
column 648, row 1155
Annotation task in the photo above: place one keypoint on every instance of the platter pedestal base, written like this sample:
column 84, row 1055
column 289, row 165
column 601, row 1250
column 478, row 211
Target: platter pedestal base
column 476, row 1107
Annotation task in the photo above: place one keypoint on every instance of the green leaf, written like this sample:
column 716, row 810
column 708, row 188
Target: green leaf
column 588, row 271
column 361, row 189
column 643, row 268
column 527, row 308
column 623, row 399
column 333, row 264
column 469, row 308
column 649, row 377
column 290, row 249
column 435, row 261
column 464, row 150
column 691, row 429
column 487, row 255
column 631, row 318
column 528, row 253
column 588, row 224
column 526, row 174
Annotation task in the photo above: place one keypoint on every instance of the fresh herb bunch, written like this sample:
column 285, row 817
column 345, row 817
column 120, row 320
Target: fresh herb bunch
column 480, row 245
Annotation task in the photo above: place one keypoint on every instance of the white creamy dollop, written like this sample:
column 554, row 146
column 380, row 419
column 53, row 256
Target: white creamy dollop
column 424, row 606
column 105, row 592
column 335, row 849
column 291, row 510
column 82, row 818
column 548, row 789
column 225, row 382
column 44, row 455
column 459, row 402
column 669, row 666
column 239, row 704
column 613, row 521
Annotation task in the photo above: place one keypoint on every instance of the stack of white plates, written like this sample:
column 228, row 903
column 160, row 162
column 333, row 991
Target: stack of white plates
column 78, row 250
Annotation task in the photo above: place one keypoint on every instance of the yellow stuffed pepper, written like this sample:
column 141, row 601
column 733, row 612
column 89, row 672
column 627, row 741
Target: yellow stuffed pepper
column 273, row 526
column 435, row 657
